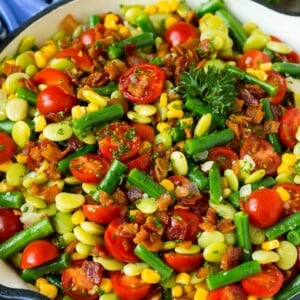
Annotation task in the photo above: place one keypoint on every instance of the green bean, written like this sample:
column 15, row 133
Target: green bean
column 7, row 126
column 293, row 236
column 58, row 264
column 290, row 290
column 215, row 184
column 232, row 275
column 38, row 230
column 26, row 94
column 11, row 199
column 283, row 226
column 198, row 177
column 145, row 182
column 105, row 115
column 145, row 23
column 106, row 90
column 271, row 89
column 241, row 221
column 209, row 7
column 292, row 69
column 153, row 261
column 205, row 142
column 93, row 20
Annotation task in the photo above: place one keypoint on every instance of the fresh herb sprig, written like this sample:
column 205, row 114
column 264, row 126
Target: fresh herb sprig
column 215, row 88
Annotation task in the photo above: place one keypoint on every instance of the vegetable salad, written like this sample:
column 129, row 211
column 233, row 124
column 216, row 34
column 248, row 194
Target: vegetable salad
column 152, row 154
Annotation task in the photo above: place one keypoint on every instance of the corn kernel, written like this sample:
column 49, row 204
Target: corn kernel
column 150, row 276
column 251, row 297
column 177, row 291
column 146, row 146
column 150, row 9
column 289, row 159
column 110, row 21
column 167, row 184
column 163, row 127
column 106, row 285
column 173, row 5
column 92, row 107
column 180, row 146
column 40, row 281
column 163, row 100
column 183, row 278
column 260, row 74
column 77, row 217
column 4, row 166
column 285, row 169
column 49, row 290
column 123, row 31
column 283, row 194
column 49, row 49
column 265, row 66
column 39, row 123
column 175, row 113
column 40, row 59
column 78, row 111
column 170, row 21
column 201, row 294
column 163, row 7
column 270, row 245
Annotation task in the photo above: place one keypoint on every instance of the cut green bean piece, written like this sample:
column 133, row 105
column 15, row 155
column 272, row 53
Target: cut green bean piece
column 18, row 241
column 293, row 236
column 232, row 275
column 28, row 95
column 145, row 23
column 106, row 90
column 292, row 69
column 198, row 177
column 11, row 199
column 58, row 264
column 209, row 7
column 215, row 184
column 7, row 126
column 93, row 20
column 144, row 182
column 290, row 291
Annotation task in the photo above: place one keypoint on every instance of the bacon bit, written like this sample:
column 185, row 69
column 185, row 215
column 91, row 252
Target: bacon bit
column 239, row 103
column 163, row 202
column 127, row 230
column 105, row 199
column 181, row 191
column 210, row 220
column 8, row 68
column 185, row 244
column 48, row 193
column 161, row 167
column 202, row 272
column 241, row 119
column 100, row 251
column 119, row 197
column 207, row 226
column 271, row 127
column 115, row 68
column 70, row 248
column 68, row 24
column 151, row 223
column 151, row 240
column 235, row 128
column 255, row 112
column 225, row 225
column 232, row 257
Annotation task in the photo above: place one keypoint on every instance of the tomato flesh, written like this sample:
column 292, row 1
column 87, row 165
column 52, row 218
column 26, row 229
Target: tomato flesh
column 183, row 262
column 37, row 253
column 253, row 58
column 223, row 155
column 279, row 81
column 229, row 292
column 9, row 223
column 8, row 147
column 142, row 83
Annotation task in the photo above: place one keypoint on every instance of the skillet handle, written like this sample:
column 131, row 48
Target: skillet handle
column 19, row 294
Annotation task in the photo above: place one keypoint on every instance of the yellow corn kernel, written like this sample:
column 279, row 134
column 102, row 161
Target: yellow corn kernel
column 92, row 107
column 40, row 281
column 21, row 158
column 183, row 278
column 5, row 187
column 106, row 285
column 150, row 9
column 175, row 113
column 265, row 66
column 150, row 276
column 201, row 294
column 40, row 59
column 289, row 159
column 49, row 49
column 270, row 245
column 94, row 98
column 260, row 74
column 163, row 100
column 170, row 21
column 78, row 111
column 167, row 184
column 39, row 123
column 163, row 127
column 186, row 122
column 77, row 217
column 283, row 194
column 173, row 5
column 77, row 256
column 49, row 290
column 4, row 166
column 188, row 289
column 110, row 21
column 177, row 291
column 180, row 145
column 163, row 7
column 123, row 31
column 285, row 169
column 224, row 182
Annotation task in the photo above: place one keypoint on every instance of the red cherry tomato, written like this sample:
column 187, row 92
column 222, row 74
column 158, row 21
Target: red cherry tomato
column 119, row 247
column 289, row 124
column 264, row 207
column 261, row 151
column 119, row 140
column 81, row 59
column 80, row 279
column 90, row 35
column 9, row 223
column 142, row 83
column 37, row 253
column 183, row 225
column 223, row 155
column 253, row 59
column 146, row 132
column 180, row 32
column 89, row 168
column 50, row 76
column 183, row 262
column 228, row 292
column 293, row 204
column 264, row 284
column 278, row 80
column 8, row 147
column 129, row 287
column 53, row 100
column 141, row 162
column 102, row 214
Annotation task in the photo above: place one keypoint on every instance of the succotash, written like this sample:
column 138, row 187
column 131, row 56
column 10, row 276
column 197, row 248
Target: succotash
column 152, row 154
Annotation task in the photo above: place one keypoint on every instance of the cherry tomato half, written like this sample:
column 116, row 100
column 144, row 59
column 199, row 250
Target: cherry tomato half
column 89, row 168
column 119, row 140
column 278, row 80
column 289, row 124
column 253, row 58
column 119, row 247
column 180, row 32
column 8, row 147
column 145, row 132
column 264, row 284
column 264, row 207
column 54, row 100
column 80, row 279
column 223, row 155
column 141, row 162
column 228, row 292
column 262, row 152
column 37, row 253
column 183, row 262
column 129, row 287
column 142, row 83
column 9, row 223
column 102, row 214
column 81, row 59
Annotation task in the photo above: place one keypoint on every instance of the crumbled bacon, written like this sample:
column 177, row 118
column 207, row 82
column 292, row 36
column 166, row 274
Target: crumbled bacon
column 255, row 112
column 232, row 257
column 161, row 169
column 151, row 240
column 271, row 126
column 127, row 230
column 47, row 192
